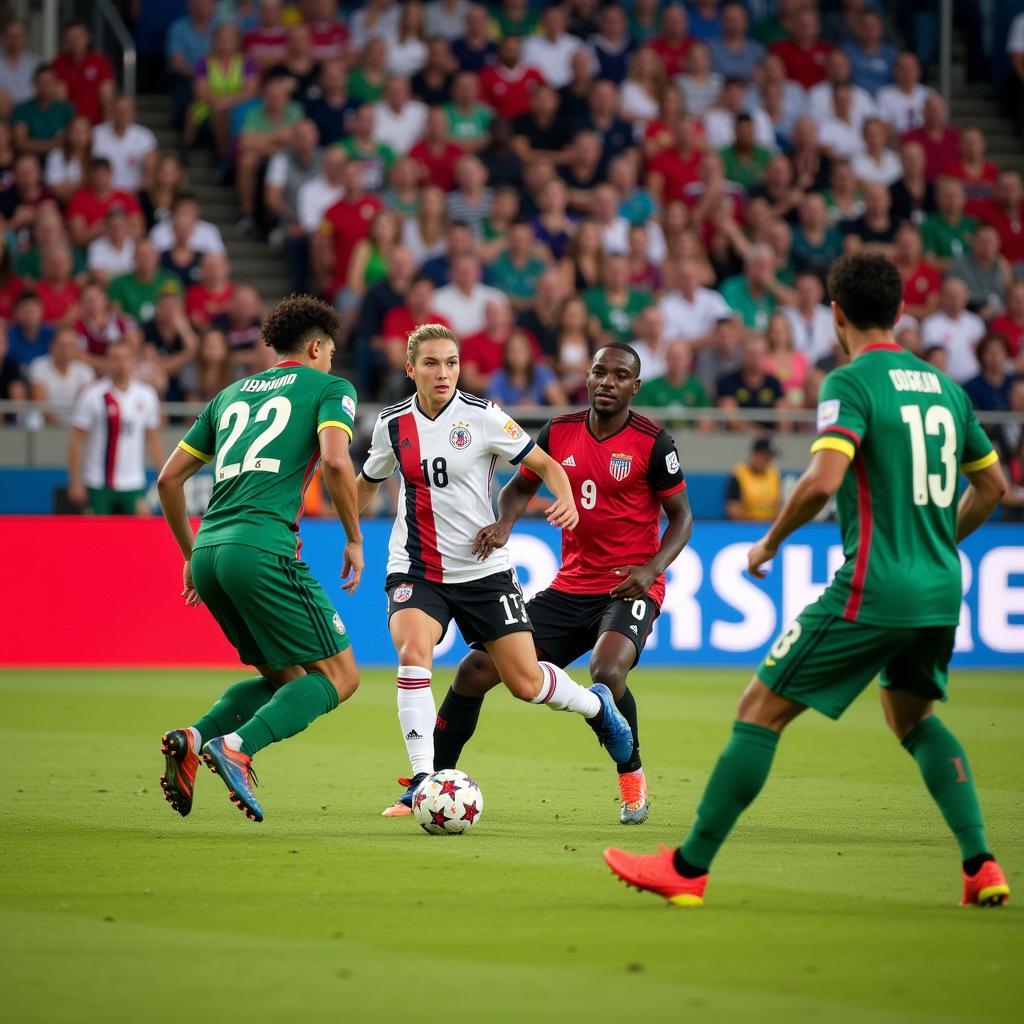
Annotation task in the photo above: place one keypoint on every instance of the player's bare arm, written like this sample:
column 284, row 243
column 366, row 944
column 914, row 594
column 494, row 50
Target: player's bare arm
column 339, row 478
column 76, row 489
column 562, row 513
column 640, row 578
column 513, row 501
column 365, row 493
column 820, row 481
column 986, row 489
column 171, row 488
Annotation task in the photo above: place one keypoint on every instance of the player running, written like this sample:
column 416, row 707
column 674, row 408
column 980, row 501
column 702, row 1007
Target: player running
column 266, row 435
column 624, row 470
column 445, row 445
column 893, row 607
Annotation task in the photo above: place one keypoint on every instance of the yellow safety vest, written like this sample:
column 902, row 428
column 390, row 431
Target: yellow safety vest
column 759, row 492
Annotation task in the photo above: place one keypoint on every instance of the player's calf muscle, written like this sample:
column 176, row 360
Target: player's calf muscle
column 475, row 676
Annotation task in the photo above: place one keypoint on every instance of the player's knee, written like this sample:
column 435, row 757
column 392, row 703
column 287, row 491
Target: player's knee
column 415, row 652
column 476, row 675
column 611, row 676
column 344, row 677
column 761, row 706
column 523, row 684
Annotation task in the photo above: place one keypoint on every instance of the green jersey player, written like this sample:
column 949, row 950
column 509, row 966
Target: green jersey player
column 265, row 436
column 894, row 436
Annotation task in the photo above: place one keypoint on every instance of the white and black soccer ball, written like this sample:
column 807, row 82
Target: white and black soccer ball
column 448, row 802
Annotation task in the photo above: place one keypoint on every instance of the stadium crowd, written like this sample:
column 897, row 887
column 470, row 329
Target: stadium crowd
column 541, row 177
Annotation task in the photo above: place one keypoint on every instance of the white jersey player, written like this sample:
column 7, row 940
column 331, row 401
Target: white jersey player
column 445, row 445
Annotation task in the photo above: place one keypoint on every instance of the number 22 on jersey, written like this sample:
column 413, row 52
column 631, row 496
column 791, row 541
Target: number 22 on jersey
column 236, row 418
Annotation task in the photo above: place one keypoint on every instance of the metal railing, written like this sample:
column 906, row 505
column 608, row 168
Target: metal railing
column 106, row 16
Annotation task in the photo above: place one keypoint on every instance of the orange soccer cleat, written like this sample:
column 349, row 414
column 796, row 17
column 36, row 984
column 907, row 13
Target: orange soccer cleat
column 633, row 791
column 656, row 873
column 987, row 888
column 181, row 762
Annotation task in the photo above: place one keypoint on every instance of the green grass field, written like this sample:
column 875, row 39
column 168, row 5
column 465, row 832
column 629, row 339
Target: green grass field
column 835, row 901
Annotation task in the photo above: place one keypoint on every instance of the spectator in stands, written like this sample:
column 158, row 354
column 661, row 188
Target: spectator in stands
column 313, row 199
column 329, row 37
column 47, row 230
column 212, row 370
column 99, row 326
column 954, row 329
column 602, row 117
column 803, row 52
column 28, row 337
column 821, row 98
column 188, row 42
column 361, row 147
column 690, row 311
column 977, row 174
column 676, row 387
column 474, row 49
column 582, row 172
column 734, row 54
column 986, row 274
column 331, row 107
column 840, row 136
column 303, row 69
column 1011, row 324
column 574, row 349
column 170, row 336
column 59, row 377
column 614, row 305
column 701, row 85
column 876, row 164
column 39, row 122
column 785, row 361
column 11, row 285
column 483, row 352
column 88, row 207
column 224, row 79
column 720, row 120
column 158, row 197
column 754, row 490
column 64, row 170
column 871, row 57
column 542, row 318
column 901, row 105
column 470, row 202
column 816, row 243
column 371, row 257
column 612, row 45
column 810, row 321
column 522, row 379
column 433, row 84
column 240, row 323
column 875, row 229
column 643, row 90
column 265, row 44
column 507, row 85
column 463, row 302
column 399, row 120
column 989, row 391
column 504, row 167
column 57, row 288
column 435, row 155
column 922, row 280
column 947, row 232
column 447, row 18
column 112, row 253
column 17, row 66
column 469, row 121
column 744, row 161
column 411, row 304
column 135, row 294
column 913, row 195
column 517, row 269
column 542, row 133
column 266, row 130
column 458, row 241
column 551, row 51
column 751, row 386
column 1006, row 214
column 650, row 342
column 212, row 293
column 86, row 75
column 378, row 303
column 941, row 141
column 129, row 146
column 287, row 172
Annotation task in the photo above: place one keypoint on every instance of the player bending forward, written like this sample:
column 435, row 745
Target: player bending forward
column 266, row 434
column 624, row 469
column 445, row 444
column 893, row 607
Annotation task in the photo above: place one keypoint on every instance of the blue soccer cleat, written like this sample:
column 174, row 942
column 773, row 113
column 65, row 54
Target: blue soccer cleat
column 615, row 734
column 403, row 805
column 235, row 771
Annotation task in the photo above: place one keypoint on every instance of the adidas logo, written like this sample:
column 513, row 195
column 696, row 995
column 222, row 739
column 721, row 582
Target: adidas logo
column 635, row 630
column 406, row 443
column 412, row 734
column 570, row 461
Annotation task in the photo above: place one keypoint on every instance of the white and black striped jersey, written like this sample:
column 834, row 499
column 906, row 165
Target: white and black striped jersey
column 447, row 469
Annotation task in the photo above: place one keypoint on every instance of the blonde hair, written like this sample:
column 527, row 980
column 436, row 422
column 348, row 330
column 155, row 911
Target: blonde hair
column 427, row 332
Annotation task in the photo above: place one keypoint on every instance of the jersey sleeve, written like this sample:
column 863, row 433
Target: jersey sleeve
column 199, row 439
column 504, row 436
column 978, row 451
column 337, row 406
column 664, row 473
column 544, row 444
column 153, row 413
column 380, row 460
column 842, row 416
column 83, row 416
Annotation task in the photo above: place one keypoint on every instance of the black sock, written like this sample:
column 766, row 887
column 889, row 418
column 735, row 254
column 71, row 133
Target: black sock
column 973, row 866
column 455, row 725
column 685, row 868
column 627, row 705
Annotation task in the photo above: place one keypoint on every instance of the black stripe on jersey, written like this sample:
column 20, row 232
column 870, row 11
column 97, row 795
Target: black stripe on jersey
column 397, row 407
column 572, row 417
column 480, row 403
column 319, row 626
column 645, row 425
column 413, row 542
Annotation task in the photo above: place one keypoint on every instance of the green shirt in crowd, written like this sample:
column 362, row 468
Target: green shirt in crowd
column 755, row 313
column 516, row 282
column 138, row 298
column 746, row 171
column 43, row 122
column 472, row 127
column 616, row 319
column 660, row 393
column 944, row 240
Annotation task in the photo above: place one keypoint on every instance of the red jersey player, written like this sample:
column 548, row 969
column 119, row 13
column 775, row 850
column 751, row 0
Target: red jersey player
column 624, row 471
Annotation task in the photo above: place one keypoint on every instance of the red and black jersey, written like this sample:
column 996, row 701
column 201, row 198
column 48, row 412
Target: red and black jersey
column 618, row 483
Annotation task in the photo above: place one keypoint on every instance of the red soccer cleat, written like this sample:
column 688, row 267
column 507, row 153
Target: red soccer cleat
column 656, row 873
column 988, row 888
column 181, row 762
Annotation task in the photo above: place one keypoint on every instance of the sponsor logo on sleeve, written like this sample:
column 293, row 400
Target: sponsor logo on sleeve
column 339, row 626
column 828, row 413
column 513, row 429
column 349, row 406
column 672, row 463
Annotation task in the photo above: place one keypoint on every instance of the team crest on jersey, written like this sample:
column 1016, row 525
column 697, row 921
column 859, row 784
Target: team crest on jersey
column 402, row 593
column 339, row 626
column 620, row 465
column 513, row 429
column 460, row 437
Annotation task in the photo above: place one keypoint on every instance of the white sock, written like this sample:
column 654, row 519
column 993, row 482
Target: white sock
column 561, row 693
column 233, row 741
column 417, row 714
column 197, row 739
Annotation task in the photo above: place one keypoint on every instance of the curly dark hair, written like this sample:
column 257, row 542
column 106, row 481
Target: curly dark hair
column 296, row 320
column 868, row 288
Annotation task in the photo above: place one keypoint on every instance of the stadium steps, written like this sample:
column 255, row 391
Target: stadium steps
column 252, row 261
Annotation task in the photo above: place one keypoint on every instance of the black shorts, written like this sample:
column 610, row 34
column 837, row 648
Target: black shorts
column 568, row 625
column 484, row 609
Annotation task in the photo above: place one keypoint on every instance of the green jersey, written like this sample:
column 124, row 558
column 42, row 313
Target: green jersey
column 909, row 431
column 262, row 435
column 616, row 318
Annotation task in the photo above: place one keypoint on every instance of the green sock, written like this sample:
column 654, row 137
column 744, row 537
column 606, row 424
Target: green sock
column 236, row 706
column 943, row 764
column 295, row 706
column 738, row 777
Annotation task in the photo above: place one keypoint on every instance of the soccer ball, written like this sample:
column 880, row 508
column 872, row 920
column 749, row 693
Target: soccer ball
column 448, row 803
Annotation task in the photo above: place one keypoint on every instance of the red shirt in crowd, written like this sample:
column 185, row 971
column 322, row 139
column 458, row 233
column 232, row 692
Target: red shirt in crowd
column 56, row 300
column 677, row 172
column 99, row 339
column 509, row 94
column 82, row 80
column 979, row 191
column 202, row 304
column 399, row 323
column 938, row 153
column 348, row 222
column 438, row 167
column 806, row 67
column 1010, row 228
column 487, row 354
column 87, row 205
column 925, row 280
column 1011, row 330
column 673, row 55
column 9, row 292
column 266, row 44
column 329, row 40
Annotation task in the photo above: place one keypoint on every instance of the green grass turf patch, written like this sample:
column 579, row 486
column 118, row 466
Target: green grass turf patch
column 834, row 902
